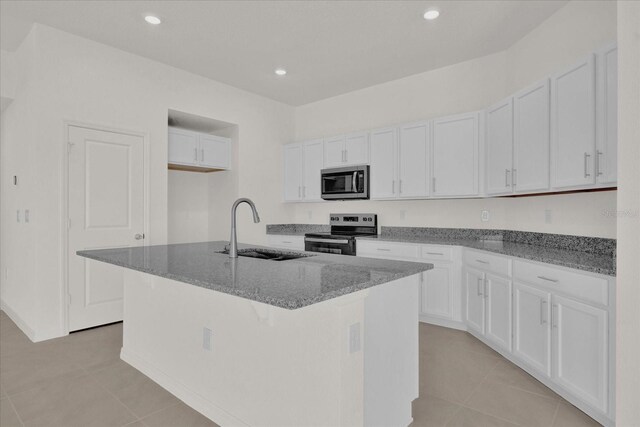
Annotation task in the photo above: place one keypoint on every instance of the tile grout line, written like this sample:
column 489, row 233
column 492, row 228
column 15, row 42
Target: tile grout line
column 116, row 398
column 15, row 410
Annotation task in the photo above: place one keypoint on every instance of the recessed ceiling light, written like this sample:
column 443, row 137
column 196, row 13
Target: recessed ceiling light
column 154, row 20
column 281, row 71
column 431, row 14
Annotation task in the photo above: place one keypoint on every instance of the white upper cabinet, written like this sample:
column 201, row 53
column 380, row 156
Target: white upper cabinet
column 302, row 165
column 573, row 125
column 384, row 175
column 344, row 150
column 499, row 148
column 413, row 149
column 215, row 152
column 531, row 139
column 192, row 150
column 454, row 159
column 356, row 148
column 607, row 115
column 183, row 147
column 312, row 154
column 292, row 176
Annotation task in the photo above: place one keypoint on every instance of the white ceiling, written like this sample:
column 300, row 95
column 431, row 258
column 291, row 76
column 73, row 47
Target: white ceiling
column 327, row 47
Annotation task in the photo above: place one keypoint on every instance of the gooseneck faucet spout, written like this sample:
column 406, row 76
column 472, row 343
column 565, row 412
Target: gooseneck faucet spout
column 233, row 244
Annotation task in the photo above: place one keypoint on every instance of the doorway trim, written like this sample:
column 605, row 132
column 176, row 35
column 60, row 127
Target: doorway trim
column 64, row 204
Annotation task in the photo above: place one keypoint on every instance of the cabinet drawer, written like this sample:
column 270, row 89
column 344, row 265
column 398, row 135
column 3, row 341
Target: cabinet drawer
column 488, row 262
column 437, row 252
column 573, row 283
column 387, row 250
column 286, row 242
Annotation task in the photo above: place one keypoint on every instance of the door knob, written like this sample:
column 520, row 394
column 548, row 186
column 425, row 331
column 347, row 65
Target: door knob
column 139, row 236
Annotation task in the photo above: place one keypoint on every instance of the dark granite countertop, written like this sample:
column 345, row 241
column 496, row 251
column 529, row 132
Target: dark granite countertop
column 592, row 262
column 288, row 284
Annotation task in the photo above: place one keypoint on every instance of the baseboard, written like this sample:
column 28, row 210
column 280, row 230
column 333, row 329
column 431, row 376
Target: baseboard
column 453, row 324
column 188, row 396
column 20, row 323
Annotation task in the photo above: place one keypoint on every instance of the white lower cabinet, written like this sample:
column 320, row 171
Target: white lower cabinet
column 580, row 350
column 474, row 301
column 286, row 241
column 436, row 292
column 497, row 293
column 532, row 332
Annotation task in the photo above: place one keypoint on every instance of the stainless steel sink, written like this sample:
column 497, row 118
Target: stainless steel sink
column 268, row 254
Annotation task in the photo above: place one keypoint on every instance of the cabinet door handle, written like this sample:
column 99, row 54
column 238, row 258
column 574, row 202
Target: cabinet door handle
column 482, row 262
column 202, row 154
column 195, row 154
column 484, row 289
column 478, row 286
column 299, row 191
column 506, row 177
column 434, row 253
column 384, row 249
column 586, row 165
column 433, row 183
column 554, row 316
column 548, row 279
column 304, row 191
column 286, row 241
column 542, row 311
column 400, row 186
column 514, row 175
column 598, row 154
column 393, row 186
column 346, row 156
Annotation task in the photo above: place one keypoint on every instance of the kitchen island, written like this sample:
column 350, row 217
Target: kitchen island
column 321, row 340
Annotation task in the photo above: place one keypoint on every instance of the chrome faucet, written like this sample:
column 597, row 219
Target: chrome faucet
column 233, row 244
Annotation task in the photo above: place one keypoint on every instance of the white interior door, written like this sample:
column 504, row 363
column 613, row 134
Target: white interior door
column 106, row 210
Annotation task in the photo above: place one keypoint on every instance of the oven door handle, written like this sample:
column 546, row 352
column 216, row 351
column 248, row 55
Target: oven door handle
column 354, row 182
column 315, row 240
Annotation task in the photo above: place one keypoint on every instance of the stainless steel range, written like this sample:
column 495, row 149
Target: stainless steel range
column 344, row 230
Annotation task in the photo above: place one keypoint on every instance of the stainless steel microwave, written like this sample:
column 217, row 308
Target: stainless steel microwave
column 350, row 182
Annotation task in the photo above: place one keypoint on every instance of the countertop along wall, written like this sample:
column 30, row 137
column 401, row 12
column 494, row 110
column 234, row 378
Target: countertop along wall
column 572, row 32
column 75, row 79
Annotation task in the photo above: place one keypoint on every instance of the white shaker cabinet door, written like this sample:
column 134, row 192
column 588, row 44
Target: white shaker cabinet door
column 474, row 307
column 384, row 148
column 532, row 331
column 436, row 293
column 573, row 125
column 531, row 139
column 498, row 297
column 581, row 348
column 313, row 163
column 607, row 116
column 413, row 170
column 499, row 148
column 334, row 153
column 292, row 174
column 356, row 149
column 215, row 152
column 183, row 147
column 454, row 157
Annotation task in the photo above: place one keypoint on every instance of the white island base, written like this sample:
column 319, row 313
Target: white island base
column 347, row 361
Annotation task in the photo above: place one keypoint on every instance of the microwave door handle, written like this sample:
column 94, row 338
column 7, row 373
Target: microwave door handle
column 354, row 182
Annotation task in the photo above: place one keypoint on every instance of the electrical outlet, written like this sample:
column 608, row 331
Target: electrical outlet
column 484, row 216
column 403, row 214
column 26, row 215
column 354, row 338
column 548, row 218
column 207, row 336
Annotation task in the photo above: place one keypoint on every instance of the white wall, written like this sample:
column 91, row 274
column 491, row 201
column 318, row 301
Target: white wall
column 628, row 277
column 80, row 80
column 188, row 207
column 468, row 86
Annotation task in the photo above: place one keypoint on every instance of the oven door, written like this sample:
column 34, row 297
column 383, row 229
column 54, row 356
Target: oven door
column 344, row 246
column 345, row 183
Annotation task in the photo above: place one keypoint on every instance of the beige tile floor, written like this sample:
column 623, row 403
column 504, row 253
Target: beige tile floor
column 80, row 381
